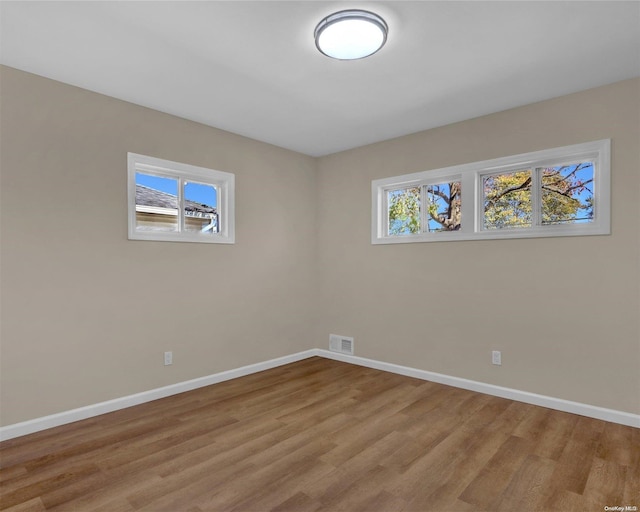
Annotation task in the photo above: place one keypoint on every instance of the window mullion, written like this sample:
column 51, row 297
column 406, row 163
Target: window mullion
column 383, row 216
column 468, row 200
column 424, row 207
column 219, row 206
column 387, row 219
column 536, row 197
column 181, row 220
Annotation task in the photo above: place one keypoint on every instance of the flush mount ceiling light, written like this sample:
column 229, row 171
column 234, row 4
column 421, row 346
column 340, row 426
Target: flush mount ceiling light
column 350, row 35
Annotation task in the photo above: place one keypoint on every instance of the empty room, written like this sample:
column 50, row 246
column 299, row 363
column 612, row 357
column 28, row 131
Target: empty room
column 319, row 256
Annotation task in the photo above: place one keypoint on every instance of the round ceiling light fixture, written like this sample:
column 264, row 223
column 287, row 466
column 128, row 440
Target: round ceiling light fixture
column 350, row 35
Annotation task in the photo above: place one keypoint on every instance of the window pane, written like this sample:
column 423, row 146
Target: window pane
column 507, row 200
column 200, row 214
column 567, row 193
column 404, row 211
column 156, row 203
column 444, row 207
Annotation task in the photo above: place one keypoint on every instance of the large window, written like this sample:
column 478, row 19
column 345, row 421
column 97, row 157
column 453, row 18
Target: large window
column 556, row 192
column 170, row 201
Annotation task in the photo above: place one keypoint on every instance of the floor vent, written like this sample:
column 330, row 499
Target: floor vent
column 342, row 344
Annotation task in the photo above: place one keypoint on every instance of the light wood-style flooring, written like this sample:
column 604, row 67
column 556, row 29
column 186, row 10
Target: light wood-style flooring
column 321, row 435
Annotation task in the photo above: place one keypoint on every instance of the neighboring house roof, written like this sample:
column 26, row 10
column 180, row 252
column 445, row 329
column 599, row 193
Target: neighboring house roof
column 146, row 196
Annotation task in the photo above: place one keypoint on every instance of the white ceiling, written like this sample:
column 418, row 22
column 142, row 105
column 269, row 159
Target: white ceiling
column 252, row 67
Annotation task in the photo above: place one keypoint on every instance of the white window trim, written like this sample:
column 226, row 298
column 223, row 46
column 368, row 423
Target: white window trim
column 470, row 175
column 225, row 188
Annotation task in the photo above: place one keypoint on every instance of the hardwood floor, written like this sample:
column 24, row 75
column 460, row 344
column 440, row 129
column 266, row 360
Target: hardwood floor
column 320, row 435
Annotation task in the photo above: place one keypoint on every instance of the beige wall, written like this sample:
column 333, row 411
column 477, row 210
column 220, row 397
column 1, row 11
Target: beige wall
column 563, row 311
column 87, row 314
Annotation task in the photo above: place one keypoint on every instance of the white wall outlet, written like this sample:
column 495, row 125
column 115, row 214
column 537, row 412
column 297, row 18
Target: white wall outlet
column 168, row 358
column 496, row 357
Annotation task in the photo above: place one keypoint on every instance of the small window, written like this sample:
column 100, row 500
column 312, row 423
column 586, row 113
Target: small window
column 567, row 193
column 170, row 201
column 556, row 192
column 444, row 211
column 404, row 211
column 506, row 200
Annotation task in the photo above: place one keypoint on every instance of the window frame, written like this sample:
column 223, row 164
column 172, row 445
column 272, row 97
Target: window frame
column 224, row 183
column 470, row 177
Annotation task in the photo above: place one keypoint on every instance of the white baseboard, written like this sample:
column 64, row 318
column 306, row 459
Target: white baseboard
column 559, row 404
column 62, row 418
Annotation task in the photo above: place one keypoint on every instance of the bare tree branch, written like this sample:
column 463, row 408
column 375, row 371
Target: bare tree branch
column 506, row 191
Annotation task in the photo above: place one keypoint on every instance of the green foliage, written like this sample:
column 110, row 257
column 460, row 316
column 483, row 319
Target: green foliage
column 566, row 195
column 404, row 211
column 507, row 200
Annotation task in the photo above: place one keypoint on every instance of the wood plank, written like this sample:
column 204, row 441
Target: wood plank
column 256, row 488
column 494, row 477
column 383, row 501
column 111, row 495
column 347, row 494
column 456, row 473
column 34, row 505
column 615, row 445
column 287, row 486
column 551, row 441
column 529, row 487
column 16, row 493
column 299, row 502
column 574, row 464
column 567, row 501
column 604, row 483
column 11, row 472
column 631, row 493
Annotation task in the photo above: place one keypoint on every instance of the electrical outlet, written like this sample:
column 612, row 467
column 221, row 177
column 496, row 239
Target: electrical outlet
column 168, row 358
column 496, row 357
